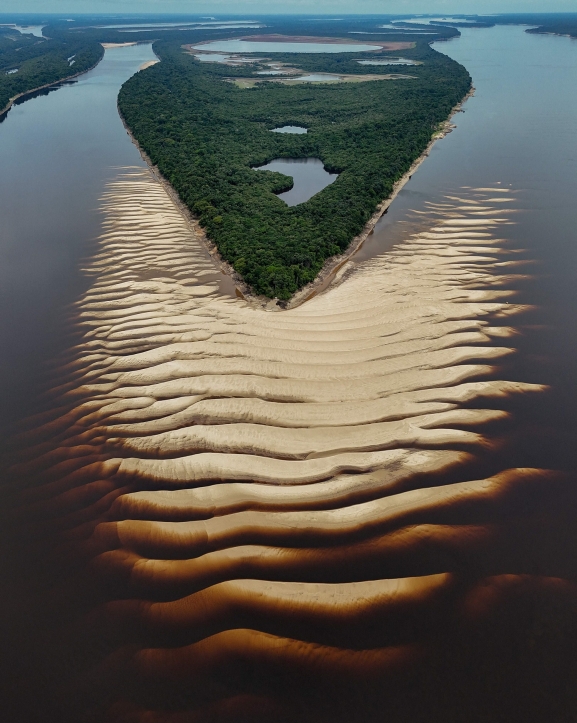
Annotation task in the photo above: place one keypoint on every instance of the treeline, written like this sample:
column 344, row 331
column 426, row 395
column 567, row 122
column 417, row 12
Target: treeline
column 205, row 135
column 91, row 27
column 40, row 61
column 558, row 23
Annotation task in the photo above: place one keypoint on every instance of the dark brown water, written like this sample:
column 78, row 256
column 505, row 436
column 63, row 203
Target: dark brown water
column 81, row 642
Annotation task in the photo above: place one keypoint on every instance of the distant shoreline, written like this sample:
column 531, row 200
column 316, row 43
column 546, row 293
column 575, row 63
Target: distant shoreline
column 332, row 265
column 4, row 111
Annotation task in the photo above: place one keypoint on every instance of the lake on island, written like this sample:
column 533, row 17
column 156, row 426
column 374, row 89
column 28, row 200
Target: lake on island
column 318, row 78
column 290, row 129
column 391, row 61
column 308, row 174
column 246, row 46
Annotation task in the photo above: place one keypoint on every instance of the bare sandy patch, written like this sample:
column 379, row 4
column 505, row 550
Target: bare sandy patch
column 117, row 45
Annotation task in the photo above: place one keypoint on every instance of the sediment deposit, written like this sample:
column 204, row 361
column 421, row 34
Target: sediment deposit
column 296, row 515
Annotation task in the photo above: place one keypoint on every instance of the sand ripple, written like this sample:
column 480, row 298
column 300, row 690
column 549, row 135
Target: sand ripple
column 283, row 514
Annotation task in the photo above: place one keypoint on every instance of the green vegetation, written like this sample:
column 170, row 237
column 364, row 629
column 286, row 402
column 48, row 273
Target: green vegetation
column 40, row 61
column 557, row 23
column 205, row 134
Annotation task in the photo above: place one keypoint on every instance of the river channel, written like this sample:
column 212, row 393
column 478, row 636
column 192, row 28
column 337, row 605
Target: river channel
column 189, row 439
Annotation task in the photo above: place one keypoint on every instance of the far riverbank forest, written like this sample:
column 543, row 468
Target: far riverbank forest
column 28, row 62
column 205, row 134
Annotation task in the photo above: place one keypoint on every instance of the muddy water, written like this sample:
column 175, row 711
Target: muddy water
column 238, row 515
column 517, row 131
column 308, row 174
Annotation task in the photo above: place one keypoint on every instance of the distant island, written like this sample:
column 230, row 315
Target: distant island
column 28, row 63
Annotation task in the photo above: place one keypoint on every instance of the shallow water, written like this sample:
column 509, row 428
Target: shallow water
column 245, row 46
column 308, row 174
column 56, row 154
column 392, row 61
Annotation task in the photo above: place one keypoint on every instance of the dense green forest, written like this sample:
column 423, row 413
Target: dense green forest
column 205, row 134
column 28, row 62
column 558, row 23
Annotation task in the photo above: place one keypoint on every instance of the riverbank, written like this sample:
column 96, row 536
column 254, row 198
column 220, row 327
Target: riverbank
column 13, row 100
column 332, row 265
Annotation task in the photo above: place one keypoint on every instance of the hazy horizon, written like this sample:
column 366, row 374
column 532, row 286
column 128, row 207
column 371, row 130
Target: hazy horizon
column 286, row 7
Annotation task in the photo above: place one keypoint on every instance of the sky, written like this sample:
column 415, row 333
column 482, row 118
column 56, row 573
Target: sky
column 286, row 6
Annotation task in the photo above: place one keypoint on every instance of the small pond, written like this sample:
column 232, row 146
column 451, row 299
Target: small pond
column 221, row 58
column 290, row 129
column 245, row 46
column 308, row 174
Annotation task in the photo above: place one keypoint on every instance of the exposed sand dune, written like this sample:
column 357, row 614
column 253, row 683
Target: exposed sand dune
column 295, row 515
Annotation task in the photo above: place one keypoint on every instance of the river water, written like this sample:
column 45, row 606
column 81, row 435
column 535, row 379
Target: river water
column 517, row 131
column 57, row 153
column 63, row 153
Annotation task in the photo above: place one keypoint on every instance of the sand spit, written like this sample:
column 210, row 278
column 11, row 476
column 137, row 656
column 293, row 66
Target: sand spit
column 117, row 45
column 277, row 517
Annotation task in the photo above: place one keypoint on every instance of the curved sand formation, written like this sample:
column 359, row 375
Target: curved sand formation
column 265, row 516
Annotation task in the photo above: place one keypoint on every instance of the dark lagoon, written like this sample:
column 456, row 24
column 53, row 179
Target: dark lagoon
column 308, row 174
column 57, row 152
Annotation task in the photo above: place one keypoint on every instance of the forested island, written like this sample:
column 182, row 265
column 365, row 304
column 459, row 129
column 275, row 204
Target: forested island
column 28, row 62
column 205, row 135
